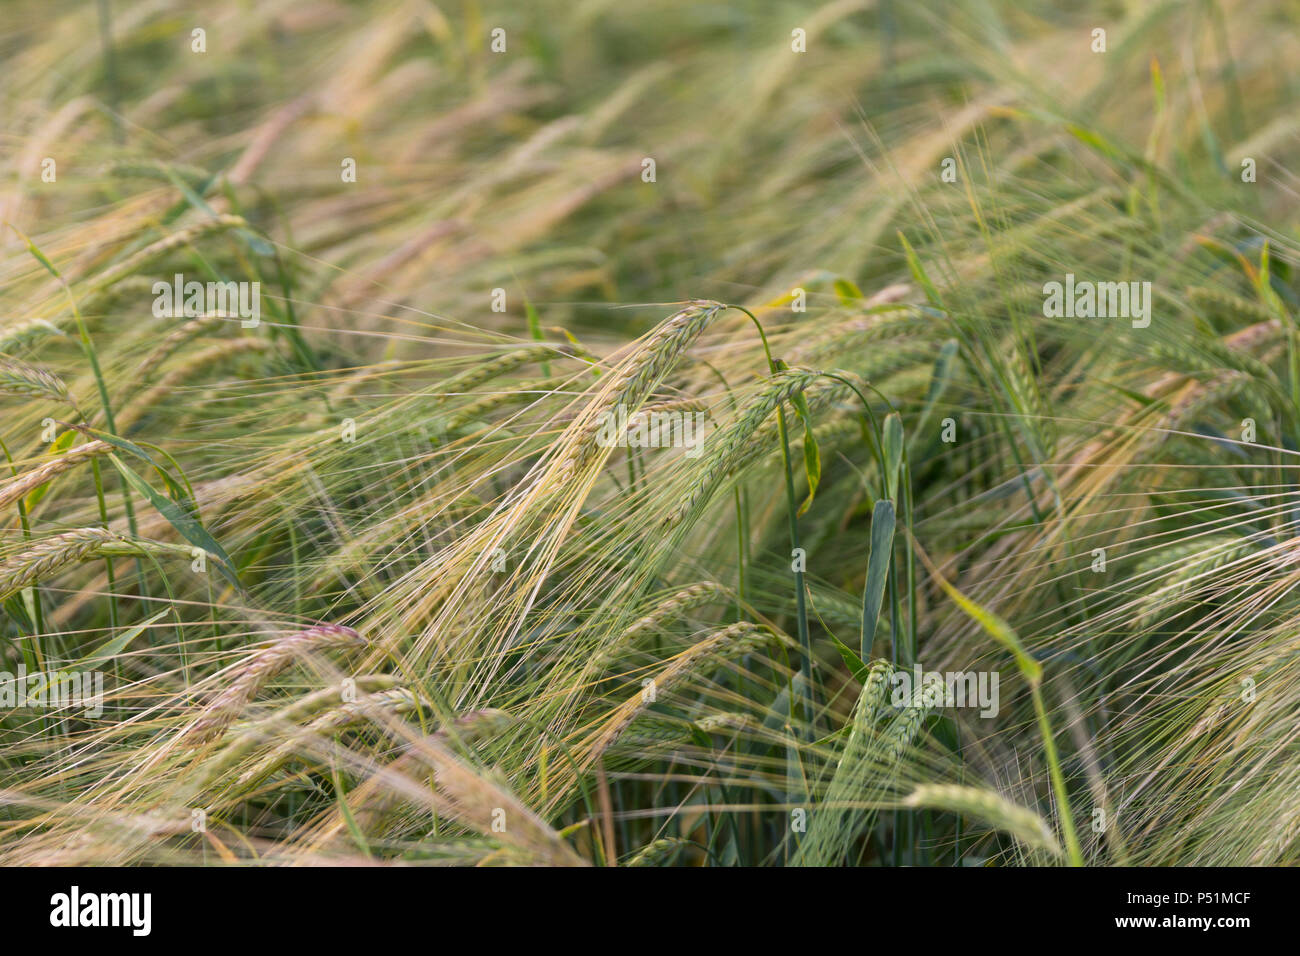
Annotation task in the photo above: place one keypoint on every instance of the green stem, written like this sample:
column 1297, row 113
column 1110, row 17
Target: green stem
column 801, row 608
column 1058, row 779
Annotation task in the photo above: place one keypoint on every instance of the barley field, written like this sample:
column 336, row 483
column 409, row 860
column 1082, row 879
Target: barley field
column 852, row 433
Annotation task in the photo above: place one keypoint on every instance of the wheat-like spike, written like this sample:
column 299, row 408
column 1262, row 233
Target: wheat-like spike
column 650, row 731
column 353, row 378
column 459, row 793
column 475, row 725
column 718, row 723
column 1234, row 305
column 1170, row 558
column 260, row 667
column 28, row 381
column 691, row 405
column 22, row 333
column 819, row 395
column 1192, row 561
column 96, row 300
column 899, row 734
column 870, row 701
column 840, row 427
column 471, row 378
column 470, row 727
column 175, row 339
column 688, row 598
column 156, row 169
column 1284, row 833
column 246, row 736
column 519, row 393
column 1198, row 395
column 472, row 797
column 870, row 704
column 670, row 405
column 1205, row 354
column 657, row 356
column 176, row 240
column 892, row 321
column 864, row 766
column 655, row 852
column 395, row 701
column 46, row 557
column 184, row 373
column 992, row 808
column 630, row 382
column 740, row 637
column 727, row 445
column 1023, row 384
column 17, row 487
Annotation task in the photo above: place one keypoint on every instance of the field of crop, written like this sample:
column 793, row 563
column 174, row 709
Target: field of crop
column 650, row 434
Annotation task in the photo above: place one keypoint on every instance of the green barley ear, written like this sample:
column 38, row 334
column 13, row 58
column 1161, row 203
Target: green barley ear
column 728, row 445
column 169, row 243
column 257, row 669
column 156, row 169
column 668, row 609
column 28, row 381
column 189, row 329
column 24, row 333
column 185, row 373
column 657, row 852
column 20, row 485
column 990, row 807
column 393, row 702
column 734, row 639
column 483, row 372
column 871, row 701
column 50, row 555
